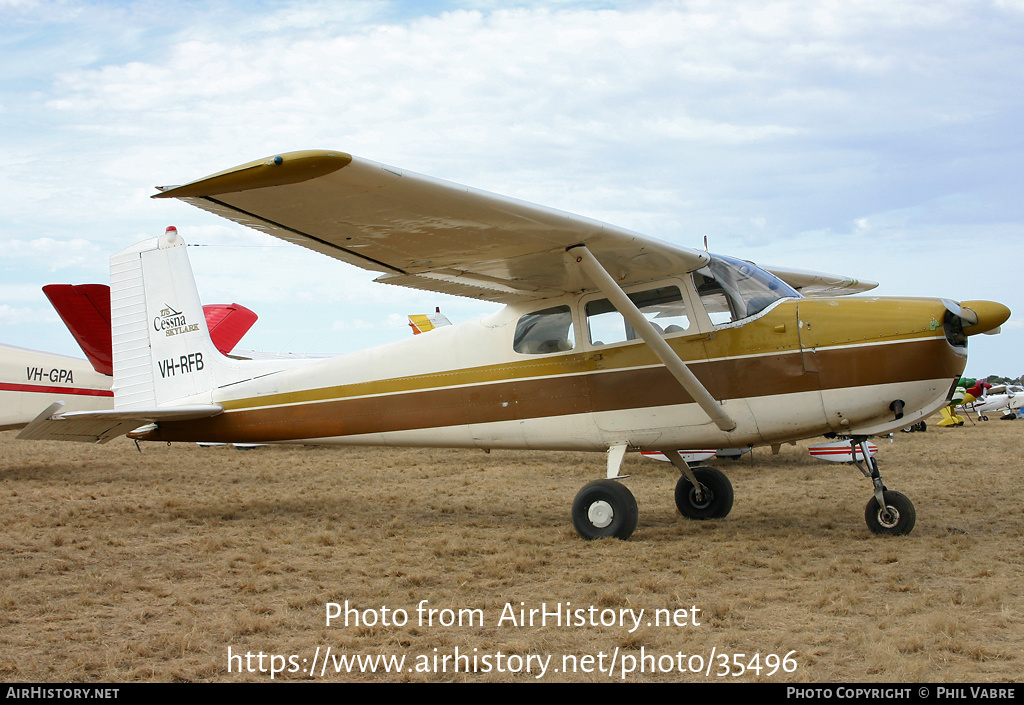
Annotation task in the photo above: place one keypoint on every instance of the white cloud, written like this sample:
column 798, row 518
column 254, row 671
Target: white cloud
column 52, row 254
column 18, row 315
column 21, row 293
column 814, row 131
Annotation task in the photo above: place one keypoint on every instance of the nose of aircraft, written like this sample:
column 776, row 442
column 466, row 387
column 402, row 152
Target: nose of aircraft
column 990, row 316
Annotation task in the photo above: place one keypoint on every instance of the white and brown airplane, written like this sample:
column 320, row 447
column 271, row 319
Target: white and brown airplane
column 607, row 341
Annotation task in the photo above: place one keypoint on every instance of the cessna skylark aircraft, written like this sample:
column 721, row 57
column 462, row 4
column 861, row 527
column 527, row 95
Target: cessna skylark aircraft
column 608, row 341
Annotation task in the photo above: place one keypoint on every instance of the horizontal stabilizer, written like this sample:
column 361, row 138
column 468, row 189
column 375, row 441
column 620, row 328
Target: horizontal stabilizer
column 100, row 426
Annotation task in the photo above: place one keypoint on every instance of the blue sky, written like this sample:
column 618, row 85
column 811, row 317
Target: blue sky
column 877, row 139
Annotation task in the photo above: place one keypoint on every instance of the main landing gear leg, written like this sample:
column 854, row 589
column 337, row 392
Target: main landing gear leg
column 890, row 513
column 606, row 508
column 702, row 492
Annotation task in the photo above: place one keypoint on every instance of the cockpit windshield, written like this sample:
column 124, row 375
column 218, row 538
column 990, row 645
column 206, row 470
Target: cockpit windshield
column 731, row 289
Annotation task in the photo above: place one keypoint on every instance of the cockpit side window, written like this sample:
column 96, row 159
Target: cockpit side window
column 546, row 331
column 731, row 289
column 663, row 307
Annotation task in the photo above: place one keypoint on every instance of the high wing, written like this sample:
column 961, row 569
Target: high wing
column 815, row 284
column 422, row 232
column 426, row 233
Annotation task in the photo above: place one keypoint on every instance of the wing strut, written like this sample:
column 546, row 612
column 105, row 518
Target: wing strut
column 608, row 286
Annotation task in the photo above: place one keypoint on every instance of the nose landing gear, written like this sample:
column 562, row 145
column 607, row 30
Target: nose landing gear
column 888, row 512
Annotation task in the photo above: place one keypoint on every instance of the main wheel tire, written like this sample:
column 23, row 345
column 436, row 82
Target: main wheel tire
column 898, row 520
column 604, row 509
column 716, row 490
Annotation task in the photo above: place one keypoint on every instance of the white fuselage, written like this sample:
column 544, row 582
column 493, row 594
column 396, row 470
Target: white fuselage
column 31, row 380
column 465, row 386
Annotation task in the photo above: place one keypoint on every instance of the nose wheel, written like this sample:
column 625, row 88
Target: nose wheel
column 895, row 519
column 888, row 513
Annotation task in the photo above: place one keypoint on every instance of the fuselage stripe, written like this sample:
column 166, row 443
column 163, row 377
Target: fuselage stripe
column 7, row 387
column 561, row 395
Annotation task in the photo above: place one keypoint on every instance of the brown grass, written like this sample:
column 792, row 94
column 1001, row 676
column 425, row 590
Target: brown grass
column 121, row 566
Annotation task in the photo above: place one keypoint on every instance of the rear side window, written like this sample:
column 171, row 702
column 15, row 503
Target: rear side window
column 546, row 331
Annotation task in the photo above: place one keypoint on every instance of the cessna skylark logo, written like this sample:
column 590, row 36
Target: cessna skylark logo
column 173, row 322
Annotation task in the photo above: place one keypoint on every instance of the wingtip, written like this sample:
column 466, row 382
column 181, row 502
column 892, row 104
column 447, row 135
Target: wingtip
column 279, row 170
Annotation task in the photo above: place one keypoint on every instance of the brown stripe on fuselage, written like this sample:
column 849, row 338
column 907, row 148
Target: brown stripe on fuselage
column 881, row 364
column 766, row 375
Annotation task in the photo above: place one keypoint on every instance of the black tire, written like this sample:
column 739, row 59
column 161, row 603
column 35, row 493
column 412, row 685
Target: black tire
column 900, row 520
column 716, row 502
column 604, row 509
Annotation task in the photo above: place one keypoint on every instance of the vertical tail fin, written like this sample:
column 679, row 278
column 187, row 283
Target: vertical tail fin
column 162, row 349
column 85, row 310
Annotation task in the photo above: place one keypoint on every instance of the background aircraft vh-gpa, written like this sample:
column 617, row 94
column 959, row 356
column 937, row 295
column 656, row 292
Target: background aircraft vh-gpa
column 607, row 341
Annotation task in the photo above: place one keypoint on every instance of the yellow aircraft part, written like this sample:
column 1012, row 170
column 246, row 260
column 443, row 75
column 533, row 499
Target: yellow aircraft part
column 990, row 314
column 420, row 322
column 836, row 321
column 262, row 173
column 949, row 418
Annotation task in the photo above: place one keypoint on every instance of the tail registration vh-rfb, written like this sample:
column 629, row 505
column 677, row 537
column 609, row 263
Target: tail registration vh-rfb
column 607, row 341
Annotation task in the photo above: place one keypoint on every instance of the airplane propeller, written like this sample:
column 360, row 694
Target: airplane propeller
column 978, row 316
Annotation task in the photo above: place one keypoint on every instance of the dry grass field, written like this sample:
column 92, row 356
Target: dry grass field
column 121, row 566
